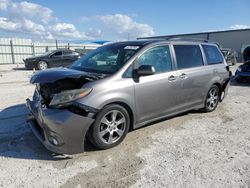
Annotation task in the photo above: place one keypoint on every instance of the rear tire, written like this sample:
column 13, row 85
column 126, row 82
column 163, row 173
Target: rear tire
column 212, row 99
column 42, row 65
column 110, row 127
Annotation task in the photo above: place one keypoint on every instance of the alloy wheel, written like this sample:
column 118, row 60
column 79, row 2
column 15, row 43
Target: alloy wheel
column 212, row 99
column 112, row 126
column 43, row 65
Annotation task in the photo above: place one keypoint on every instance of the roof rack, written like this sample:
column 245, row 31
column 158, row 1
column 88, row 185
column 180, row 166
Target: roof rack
column 193, row 40
column 186, row 39
column 182, row 39
column 175, row 39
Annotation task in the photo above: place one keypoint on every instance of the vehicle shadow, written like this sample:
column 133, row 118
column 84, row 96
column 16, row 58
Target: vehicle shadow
column 16, row 138
column 20, row 69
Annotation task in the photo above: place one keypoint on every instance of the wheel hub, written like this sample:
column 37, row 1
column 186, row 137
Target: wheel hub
column 212, row 99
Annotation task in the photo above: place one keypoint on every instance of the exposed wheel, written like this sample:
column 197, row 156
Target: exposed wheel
column 110, row 127
column 212, row 99
column 42, row 65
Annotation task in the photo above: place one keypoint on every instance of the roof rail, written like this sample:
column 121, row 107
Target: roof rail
column 183, row 39
column 176, row 39
column 186, row 39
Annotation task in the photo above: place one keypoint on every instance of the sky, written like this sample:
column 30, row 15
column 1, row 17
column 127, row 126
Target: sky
column 114, row 20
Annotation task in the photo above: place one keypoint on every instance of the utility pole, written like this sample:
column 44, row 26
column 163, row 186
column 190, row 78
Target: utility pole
column 12, row 52
column 128, row 36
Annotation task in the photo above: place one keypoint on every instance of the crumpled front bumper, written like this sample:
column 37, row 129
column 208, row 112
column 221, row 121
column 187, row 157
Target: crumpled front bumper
column 59, row 130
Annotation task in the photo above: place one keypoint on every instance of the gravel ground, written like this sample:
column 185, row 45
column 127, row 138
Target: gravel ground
column 191, row 150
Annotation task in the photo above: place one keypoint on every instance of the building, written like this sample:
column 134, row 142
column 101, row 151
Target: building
column 234, row 39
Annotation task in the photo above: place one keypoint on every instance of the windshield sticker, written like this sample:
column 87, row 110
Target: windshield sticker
column 131, row 47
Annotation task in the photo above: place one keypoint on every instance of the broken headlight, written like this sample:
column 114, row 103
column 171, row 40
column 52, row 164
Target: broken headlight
column 66, row 97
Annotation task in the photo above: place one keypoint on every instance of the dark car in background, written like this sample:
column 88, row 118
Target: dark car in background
column 56, row 58
column 230, row 56
column 242, row 74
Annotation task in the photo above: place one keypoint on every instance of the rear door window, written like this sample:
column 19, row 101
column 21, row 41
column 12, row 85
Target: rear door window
column 56, row 54
column 188, row 56
column 213, row 54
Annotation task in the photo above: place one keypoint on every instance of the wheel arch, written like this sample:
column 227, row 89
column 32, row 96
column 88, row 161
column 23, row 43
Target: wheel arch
column 222, row 87
column 219, row 86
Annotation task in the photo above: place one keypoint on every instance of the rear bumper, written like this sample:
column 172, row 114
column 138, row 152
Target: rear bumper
column 60, row 131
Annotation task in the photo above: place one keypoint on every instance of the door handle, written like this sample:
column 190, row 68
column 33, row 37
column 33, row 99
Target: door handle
column 172, row 78
column 182, row 76
column 215, row 70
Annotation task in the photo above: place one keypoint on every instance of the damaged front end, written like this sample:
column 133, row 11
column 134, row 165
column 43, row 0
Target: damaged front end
column 56, row 119
column 60, row 87
column 62, row 92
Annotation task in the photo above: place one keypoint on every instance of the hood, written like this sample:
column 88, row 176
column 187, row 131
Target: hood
column 35, row 57
column 54, row 74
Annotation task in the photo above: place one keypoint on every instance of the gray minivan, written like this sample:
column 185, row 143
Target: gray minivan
column 122, row 86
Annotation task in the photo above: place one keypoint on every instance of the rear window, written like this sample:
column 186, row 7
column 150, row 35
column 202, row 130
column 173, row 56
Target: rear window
column 67, row 52
column 188, row 56
column 213, row 54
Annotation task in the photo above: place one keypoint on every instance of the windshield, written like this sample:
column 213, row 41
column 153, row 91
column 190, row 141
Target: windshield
column 106, row 60
column 47, row 53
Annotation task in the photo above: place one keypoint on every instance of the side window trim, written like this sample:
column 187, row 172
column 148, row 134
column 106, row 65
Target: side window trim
column 203, row 55
column 174, row 59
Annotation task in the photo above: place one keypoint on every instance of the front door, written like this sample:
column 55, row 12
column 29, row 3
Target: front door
column 155, row 94
column 56, row 59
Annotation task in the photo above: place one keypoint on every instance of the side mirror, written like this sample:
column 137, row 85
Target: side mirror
column 145, row 70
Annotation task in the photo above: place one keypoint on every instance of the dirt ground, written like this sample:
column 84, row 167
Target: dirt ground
column 191, row 150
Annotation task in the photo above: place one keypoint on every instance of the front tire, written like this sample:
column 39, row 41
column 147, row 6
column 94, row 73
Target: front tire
column 110, row 127
column 212, row 99
column 42, row 65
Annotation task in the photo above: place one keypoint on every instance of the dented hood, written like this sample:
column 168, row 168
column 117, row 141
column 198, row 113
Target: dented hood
column 54, row 74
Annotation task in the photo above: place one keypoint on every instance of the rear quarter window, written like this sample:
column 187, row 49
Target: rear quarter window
column 213, row 55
